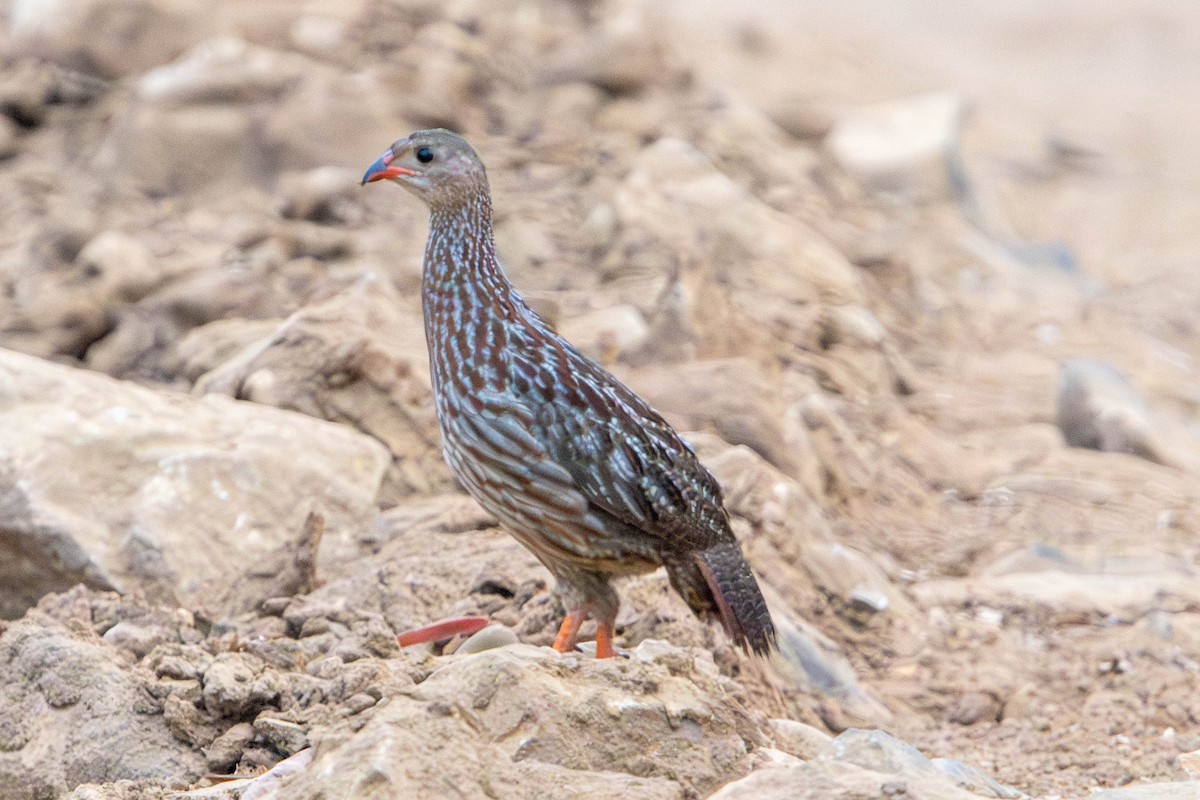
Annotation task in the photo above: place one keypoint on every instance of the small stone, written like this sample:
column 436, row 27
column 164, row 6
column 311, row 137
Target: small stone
column 800, row 740
column 489, row 638
column 357, row 703
column 877, row 751
column 318, row 195
column 233, row 686
column 117, row 265
column 25, row 92
column 283, row 735
column 136, row 637
column 274, row 606
column 1099, row 409
column 870, row 601
column 972, row 707
column 113, row 38
column 606, row 333
column 226, row 750
column 850, row 577
column 901, row 146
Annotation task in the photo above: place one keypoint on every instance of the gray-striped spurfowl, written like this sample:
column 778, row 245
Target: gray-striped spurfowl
column 576, row 466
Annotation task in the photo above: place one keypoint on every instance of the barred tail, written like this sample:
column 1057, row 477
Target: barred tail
column 720, row 581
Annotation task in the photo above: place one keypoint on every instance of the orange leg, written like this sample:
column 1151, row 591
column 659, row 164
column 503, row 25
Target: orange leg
column 604, row 638
column 565, row 641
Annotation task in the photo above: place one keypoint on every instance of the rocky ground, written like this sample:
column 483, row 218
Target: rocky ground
column 925, row 304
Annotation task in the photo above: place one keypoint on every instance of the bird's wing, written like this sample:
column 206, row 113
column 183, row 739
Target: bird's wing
column 621, row 454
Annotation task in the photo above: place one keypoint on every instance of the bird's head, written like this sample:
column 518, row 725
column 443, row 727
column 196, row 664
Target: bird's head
column 436, row 165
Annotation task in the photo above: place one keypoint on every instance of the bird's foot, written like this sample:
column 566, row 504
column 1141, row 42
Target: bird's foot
column 568, row 634
column 604, row 640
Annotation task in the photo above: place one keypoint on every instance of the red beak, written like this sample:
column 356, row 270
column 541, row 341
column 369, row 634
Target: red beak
column 382, row 169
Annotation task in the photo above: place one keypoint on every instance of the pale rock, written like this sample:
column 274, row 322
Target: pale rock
column 170, row 150
column 489, row 638
column 694, row 318
column 226, row 750
column 1191, row 763
column 753, row 150
column 1099, row 409
column 858, row 588
column 136, row 637
column 236, row 685
column 72, row 712
column 642, row 118
column 606, row 333
column 448, row 70
column 115, row 486
column 648, row 733
column 75, row 295
column 25, row 93
column 734, row 397
column 54, row 326
column 119, row 267
column 796, row 738
column 112, row 38
column 676, row 211
column 359, row 358
column 599, row 228
column 628, row 52
column 319, row 195
column 904, row 146
column 804, row 116
column 1179, row 790
column 836, row 780
column 1128, row 596
column 810, row 659
column 975, row 781
column 523, row 245
column 318, row 33
column 207, row 347
column 223, row 70
column 878, row 751
column 566, row 115
column 333, row 118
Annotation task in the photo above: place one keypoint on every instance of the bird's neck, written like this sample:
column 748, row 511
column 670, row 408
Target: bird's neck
column 460, row 256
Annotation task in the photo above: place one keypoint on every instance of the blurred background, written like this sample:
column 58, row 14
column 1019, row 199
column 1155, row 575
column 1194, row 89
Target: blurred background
column 920, row 281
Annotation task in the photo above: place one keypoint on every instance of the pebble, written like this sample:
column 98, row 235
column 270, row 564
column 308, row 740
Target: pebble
column 901, row 146
column 226, row 750
column 972, row 707
column 851, row 577
column 1099, row 409
column 319, row 195
column 489, row 638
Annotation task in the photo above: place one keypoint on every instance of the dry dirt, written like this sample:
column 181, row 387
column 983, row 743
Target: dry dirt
column 871, row 375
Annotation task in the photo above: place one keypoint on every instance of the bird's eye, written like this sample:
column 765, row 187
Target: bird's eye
column 424, row 155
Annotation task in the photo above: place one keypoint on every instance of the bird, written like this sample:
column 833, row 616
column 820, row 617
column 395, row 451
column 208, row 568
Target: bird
column 574, row 464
